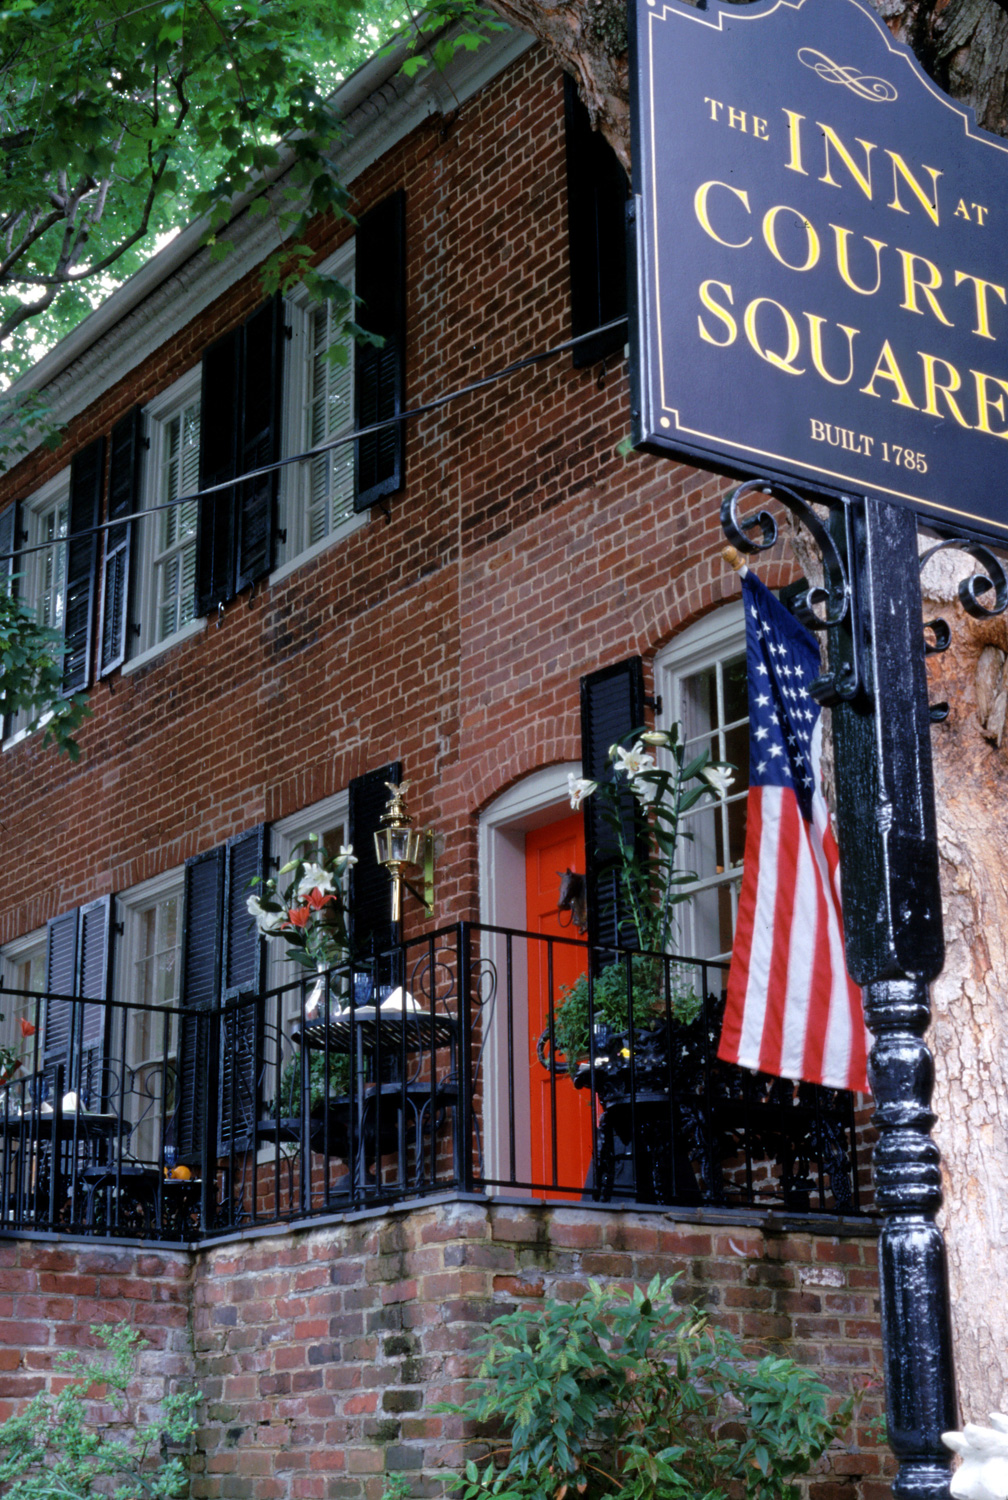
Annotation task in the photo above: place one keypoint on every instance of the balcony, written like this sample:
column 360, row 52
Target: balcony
column 438, row 1066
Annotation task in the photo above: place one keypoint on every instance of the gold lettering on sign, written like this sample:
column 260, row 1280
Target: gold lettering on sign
column 816, row 324
column 886, row 368
column 794, row 161
column 900, row 169
column 980, row 290
column 739, row 119
column 843, row 260
column 700, row 209
column 719, row 312
column 770, row 235
column 863, row 179
column 913, row 284
column 932, row 386
column 779, row 361
column 985, row 403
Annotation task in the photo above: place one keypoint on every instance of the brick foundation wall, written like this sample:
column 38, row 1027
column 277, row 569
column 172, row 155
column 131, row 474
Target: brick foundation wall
column 320, row 1352
column 52, row 1294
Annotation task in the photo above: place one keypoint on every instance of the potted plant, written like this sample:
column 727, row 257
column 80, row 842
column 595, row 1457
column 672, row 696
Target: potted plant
column 310, row 912
column 652, row 883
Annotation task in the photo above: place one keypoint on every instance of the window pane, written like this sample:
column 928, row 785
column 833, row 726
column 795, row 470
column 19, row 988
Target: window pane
column 329, row 481
column 152, row 1034
column 43, row 574
column 709, row 695
column 26, row 973
column 174, row 560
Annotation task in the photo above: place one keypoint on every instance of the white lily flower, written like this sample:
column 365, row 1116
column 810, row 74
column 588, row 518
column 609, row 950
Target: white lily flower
column 578, row 788
column 655, row 737
column 633, row 762
column 267, row 921
column 347, row 855
column 644, row 790
column 315, row 878
column 718, row 778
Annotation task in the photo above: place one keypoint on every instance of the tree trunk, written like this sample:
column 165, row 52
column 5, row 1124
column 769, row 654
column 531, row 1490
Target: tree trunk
column 963, row 45
column 969, row 1033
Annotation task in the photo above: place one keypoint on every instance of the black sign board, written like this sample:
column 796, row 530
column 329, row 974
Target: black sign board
column 822, row 252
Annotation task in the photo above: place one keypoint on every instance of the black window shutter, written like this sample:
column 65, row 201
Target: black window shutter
column 124, row 490
column 244, row 858
column 219, row 401
column 597, row 192
column 10, row 542
column 371, row 930
column 200, row 989
column 93, row 973
column 61, row 975
column 380, row 373
column 612, row 704
column 261, row 386
column 87, row 471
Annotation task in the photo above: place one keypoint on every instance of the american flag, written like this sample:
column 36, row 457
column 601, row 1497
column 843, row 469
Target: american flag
column 791, row 1010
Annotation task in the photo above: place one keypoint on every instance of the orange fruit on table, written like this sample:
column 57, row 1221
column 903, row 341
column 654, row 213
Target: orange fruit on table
column 181, row 1174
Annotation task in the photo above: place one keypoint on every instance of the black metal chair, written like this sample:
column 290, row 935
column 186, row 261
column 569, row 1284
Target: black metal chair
column 122, row 1189
column 431, row 1105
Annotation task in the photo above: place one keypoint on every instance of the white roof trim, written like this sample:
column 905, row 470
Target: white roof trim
column 379, row 106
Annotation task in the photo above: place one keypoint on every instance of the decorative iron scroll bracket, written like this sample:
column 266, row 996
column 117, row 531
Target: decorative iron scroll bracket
column 937, row 636
column 820, row 607
column 836, row 602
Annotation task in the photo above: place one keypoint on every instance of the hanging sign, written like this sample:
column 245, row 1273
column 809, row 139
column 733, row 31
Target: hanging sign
column 822, row 254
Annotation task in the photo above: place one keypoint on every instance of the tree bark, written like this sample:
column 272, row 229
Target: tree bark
column 969, row 1031
column 963, row 46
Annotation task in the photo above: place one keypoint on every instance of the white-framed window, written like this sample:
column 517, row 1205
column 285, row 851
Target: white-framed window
column 23, row 969
column 148, row 982
column 42, row 567
column 316, row 497
column 701, row 679
column 167, row 552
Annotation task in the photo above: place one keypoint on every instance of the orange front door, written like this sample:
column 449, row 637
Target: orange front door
column 560, row 1116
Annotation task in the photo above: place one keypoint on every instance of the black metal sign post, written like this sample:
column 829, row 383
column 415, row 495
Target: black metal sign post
column 877, row 689
column 895, row 945
column 818, row 235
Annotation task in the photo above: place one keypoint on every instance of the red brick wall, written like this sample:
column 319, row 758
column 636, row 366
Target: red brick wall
column 52, row 1294
column 321, row 1352
column 524, row 552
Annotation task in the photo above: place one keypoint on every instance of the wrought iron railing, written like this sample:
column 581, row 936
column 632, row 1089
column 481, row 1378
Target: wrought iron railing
column 438, row 1065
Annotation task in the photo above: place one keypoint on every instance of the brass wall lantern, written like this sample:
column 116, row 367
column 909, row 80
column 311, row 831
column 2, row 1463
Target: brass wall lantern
column 399, row 846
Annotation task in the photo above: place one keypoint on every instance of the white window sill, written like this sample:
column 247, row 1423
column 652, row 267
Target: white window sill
column 21, row 735
column 346, row 528
column 194, row 627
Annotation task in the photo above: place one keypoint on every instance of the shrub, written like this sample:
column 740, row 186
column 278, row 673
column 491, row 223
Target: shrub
column 628, row 1396
column 64, row 1447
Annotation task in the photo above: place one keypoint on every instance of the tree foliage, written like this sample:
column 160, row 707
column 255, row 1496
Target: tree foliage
column 120, row 120
column 31, row 675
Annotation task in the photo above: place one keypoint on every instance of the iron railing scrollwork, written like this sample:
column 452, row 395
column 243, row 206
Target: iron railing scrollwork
column 428, row 1083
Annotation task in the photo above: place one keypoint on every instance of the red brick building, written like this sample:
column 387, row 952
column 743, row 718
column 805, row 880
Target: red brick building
column 438, row 599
